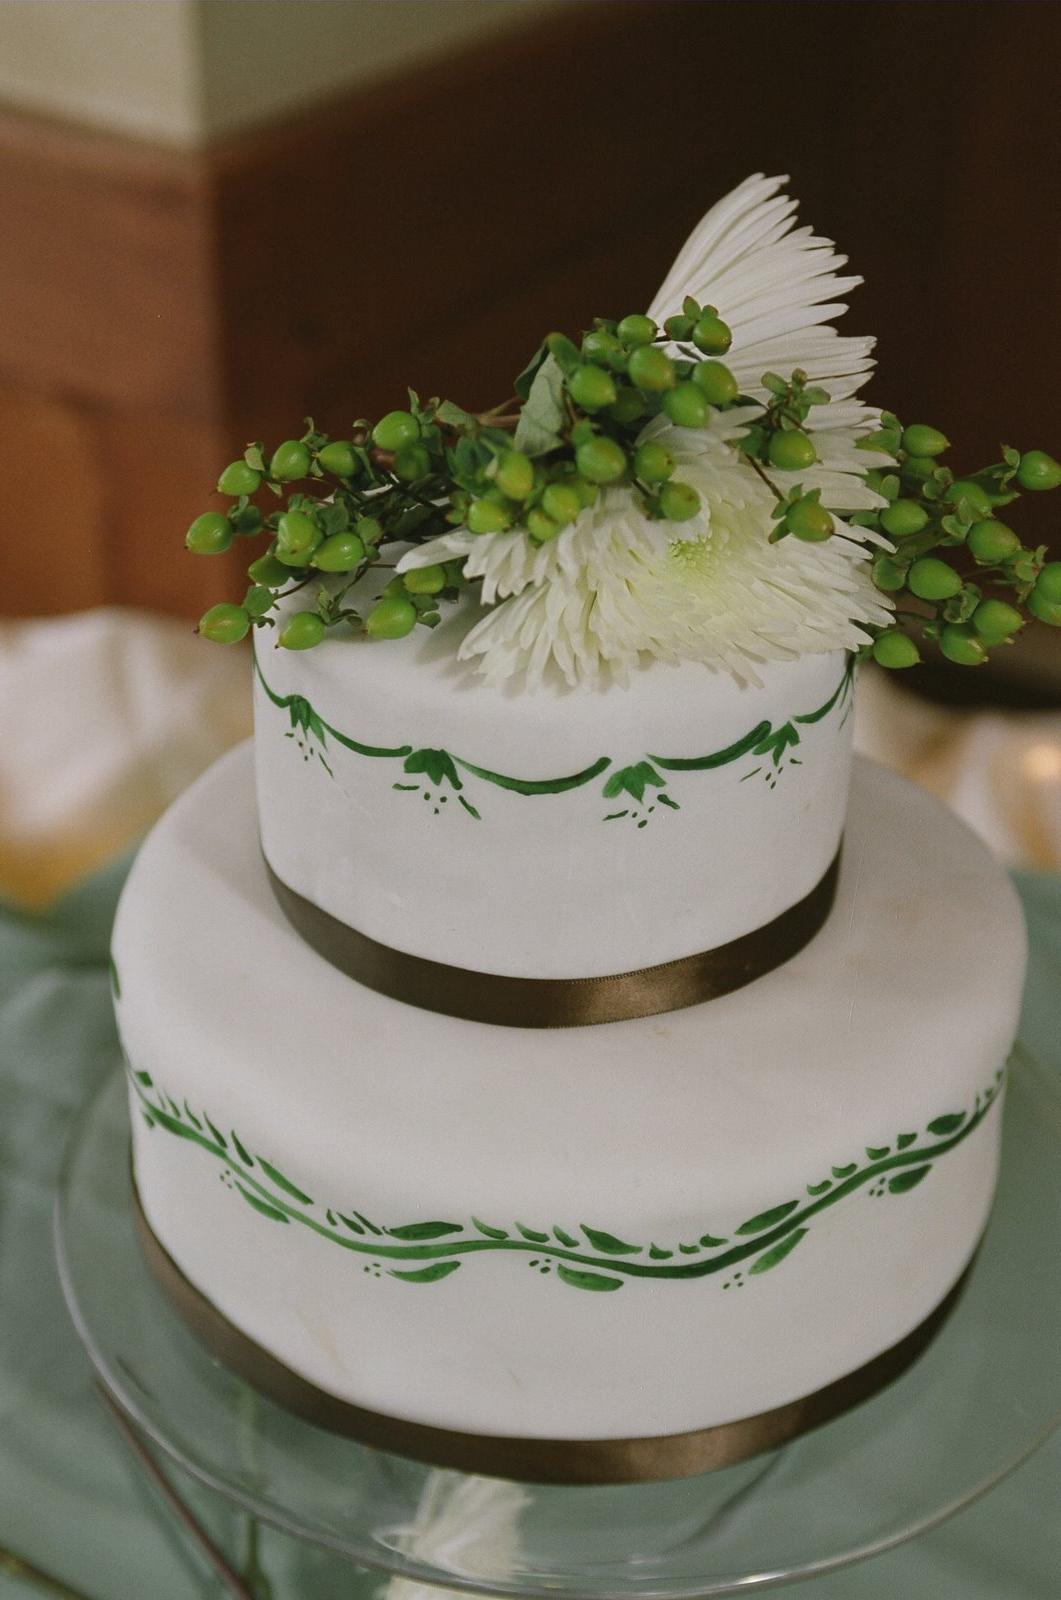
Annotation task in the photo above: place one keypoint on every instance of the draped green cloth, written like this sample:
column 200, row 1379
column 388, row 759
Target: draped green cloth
column 71, row 1500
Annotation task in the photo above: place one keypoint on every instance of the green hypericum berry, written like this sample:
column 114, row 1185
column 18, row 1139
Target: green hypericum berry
column 368, row 530
column 994, row 621
column 338, row 458
column 903, row 518
column 588, row 493
column 716, row 383
column 893, row 649
column 917, row 469
column 921, row 440
column 810, row 521
column 562, row 502
column 209, row 534
column 791, row 451
column 541, row 527
column 888, row 574
column 486, row 516
column 931, row 579
column 679, row 327
column 637, row 329
column 604, row 348
column 391, row 618
column 410, row 463
column 685, row 406
column 601, row 460
column 1037, row 470
column 224, row 624
column 650, row 369
column 628, row 406
column 959, row 644
column 678, row 502
column 396, row 429
column 653, row 462
column 302, row 631
column 425, row 580
column 269, row 571
column 1048, row 583
column 591, row 387
column 297, row 536
column 515, row 474
column 990, row 541
column 975, row 496
column 1043, row 608
column 290, row 461
column 712, row 335
column 238, row 479
column 258, row 600
column 342, row 552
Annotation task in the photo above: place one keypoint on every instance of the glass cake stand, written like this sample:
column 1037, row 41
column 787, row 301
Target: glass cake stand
column 978, row 1402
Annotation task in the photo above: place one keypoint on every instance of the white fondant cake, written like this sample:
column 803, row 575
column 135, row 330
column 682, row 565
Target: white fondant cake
column 636, row 1229
column 555, row 834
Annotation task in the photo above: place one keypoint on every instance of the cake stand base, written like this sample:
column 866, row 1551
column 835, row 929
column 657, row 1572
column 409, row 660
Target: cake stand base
column 981, row 1398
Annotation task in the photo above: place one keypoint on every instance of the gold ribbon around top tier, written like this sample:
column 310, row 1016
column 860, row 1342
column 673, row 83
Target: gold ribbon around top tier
column 558, row 1002
column 535, row 1460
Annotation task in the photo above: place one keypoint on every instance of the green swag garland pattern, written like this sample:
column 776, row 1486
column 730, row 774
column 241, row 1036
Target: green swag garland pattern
column 436, row 772
column 583, row 1257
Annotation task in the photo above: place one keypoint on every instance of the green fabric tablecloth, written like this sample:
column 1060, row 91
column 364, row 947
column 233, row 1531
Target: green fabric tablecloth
column 71, row 1500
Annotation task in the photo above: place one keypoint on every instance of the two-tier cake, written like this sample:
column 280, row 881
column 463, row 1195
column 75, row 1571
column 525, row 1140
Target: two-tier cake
column 578, row 1070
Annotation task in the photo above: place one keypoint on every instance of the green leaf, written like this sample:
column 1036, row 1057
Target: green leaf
column 532, row 1234
column 819, row 1188
column 144, row 1078
column 469, row 808
column 565, row 1238
column 905, row 1139
column 709, row 1241
column 948, row 1124
column 436, row 765
column 261, row 1206
column 454, row 416
column 844, row 1172
column 192, row 1118
column 348, row 1222
column 665, row 800
column 576, row 1278
column 431, row 1274
column 768, row 1219
column 656, row 1253
column 784, row 1247
column 610, row 1245
column 633, row 781
column 424, row 1230
column 491, row 1233
column 522, row 385
column 689, row 1249
column 543, row 415
column 903, row 1181
column 244, row 1155
column 148, row 1118
column 877, row 1152
column 284, row 1183
column 218, row 1135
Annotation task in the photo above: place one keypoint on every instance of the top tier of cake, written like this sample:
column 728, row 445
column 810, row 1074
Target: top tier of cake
column 555, row 833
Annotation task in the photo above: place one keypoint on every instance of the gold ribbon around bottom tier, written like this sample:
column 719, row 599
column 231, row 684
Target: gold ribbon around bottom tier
column 558, row 1461
column 559, row 1002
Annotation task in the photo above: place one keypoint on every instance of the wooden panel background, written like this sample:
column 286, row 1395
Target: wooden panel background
column 160, row 309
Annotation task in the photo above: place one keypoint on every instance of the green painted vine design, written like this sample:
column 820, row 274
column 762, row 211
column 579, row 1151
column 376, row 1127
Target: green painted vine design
column 634, row 791
column 581, row 1256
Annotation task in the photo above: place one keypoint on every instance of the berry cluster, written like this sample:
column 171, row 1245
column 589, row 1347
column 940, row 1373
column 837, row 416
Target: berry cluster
column 960, row 576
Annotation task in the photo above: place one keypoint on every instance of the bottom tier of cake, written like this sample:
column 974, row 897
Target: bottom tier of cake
column 552, row 1253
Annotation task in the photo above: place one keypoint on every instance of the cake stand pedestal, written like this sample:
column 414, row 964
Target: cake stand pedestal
column 984, row 1396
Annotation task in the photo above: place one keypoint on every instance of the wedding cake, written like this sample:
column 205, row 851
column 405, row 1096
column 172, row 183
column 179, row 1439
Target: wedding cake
column 550, row 1053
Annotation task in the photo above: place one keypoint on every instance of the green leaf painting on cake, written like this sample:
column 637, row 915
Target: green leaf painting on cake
column 584, row 1255
column 436, row 775
column 699, row 482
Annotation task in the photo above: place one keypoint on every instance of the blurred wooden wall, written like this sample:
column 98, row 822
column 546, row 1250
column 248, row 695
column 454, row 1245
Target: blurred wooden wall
column 157, row 310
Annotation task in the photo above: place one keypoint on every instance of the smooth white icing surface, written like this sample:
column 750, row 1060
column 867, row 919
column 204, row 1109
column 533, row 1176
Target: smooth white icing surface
column 900, row 1011
column 573, row 884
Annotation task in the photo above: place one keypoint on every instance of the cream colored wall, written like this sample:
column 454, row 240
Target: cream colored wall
column 186, row 71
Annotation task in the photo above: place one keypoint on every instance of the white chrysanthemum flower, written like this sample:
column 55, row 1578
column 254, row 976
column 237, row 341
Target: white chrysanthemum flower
column 616, row 585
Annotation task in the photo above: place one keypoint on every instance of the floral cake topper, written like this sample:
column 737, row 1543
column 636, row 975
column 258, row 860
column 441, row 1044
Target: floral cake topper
column 641, row 498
